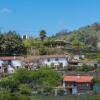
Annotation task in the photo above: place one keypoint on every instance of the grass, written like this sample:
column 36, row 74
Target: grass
column 98, row 69
column 71, row 97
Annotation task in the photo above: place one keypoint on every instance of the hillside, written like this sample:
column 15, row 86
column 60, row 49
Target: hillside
column 88, row 35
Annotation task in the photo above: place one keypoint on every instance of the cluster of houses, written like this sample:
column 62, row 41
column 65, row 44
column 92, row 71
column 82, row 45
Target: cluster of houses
column 9, row 64
column 72, row 84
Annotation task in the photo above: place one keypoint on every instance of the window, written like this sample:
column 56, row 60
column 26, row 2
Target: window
column 56, row 59
column 48, row 59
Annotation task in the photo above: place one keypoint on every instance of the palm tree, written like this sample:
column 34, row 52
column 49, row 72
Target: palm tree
column 42, row 35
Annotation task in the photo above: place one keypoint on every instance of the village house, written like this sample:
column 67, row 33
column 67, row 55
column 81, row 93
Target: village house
column 9, row 64
column 56, row 60
column 53, row 61
column 77, row 84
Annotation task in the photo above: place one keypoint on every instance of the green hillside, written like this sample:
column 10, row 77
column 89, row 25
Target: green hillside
column 88, row 35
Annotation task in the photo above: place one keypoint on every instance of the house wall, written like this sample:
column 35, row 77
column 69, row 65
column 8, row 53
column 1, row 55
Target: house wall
column 98, row 45
column 16, row 63
column 11, row 66
column 10, row 69
column 74, row 88
column 76, row 57
column 49, row 61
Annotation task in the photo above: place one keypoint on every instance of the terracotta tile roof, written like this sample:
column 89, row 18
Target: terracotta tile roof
column 8, row 57
column 50, row 56
column 54, row 56
column 78, row 79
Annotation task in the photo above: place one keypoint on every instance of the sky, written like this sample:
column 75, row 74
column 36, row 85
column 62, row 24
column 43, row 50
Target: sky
column 31, row 16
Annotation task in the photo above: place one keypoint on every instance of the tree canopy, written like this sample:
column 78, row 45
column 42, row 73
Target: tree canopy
column 42, row 35
column 11, row 44
column 25, row 81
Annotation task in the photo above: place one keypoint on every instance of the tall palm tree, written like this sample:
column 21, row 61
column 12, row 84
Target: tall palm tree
column 42, row 35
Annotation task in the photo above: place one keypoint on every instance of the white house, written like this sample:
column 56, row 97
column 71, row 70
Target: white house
column 16, row 63
column 56, row 60
column 11, row 62
column 1, row 62
column 10, row 69
column 76, row 57
column 98, row 44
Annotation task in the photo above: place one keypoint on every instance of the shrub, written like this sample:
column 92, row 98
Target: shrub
column 96, row 80
column 42, row 51
column 86, row 68
column 24, row 89
column 72, row 68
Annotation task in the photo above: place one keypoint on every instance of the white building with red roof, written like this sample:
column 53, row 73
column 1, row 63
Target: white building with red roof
column 75, row 84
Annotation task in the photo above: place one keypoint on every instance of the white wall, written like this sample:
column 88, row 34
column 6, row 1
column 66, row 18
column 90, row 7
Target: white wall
column 16, row 63
column 53, row 60
column 76, row 57
column 1, row 62
column 10, row 69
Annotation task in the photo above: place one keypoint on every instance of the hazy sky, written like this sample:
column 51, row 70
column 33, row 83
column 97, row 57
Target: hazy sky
column 30, row 16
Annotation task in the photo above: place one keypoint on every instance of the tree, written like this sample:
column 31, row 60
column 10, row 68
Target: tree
column 42, row 35
column 77, row 45
column 37, row 43
column 24, row 81
column 11, row 43
column 9, row 83
column 5, row 95
column 22, row 75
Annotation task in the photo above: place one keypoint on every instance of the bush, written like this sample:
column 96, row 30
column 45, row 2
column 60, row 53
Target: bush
column 9, row 83
column 72, row 68
column 19, row 96
column 25, row 89
column 5, row 95
column 22, row 75
column 42, row 51
column 96, row 80
column 23, row 80
column 86, row 68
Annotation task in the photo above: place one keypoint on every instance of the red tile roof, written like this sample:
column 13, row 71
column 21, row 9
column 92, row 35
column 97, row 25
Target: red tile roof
column 8, row 58
column 78, row 79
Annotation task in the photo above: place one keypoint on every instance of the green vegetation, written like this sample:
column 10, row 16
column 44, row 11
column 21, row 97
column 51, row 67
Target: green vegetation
column 11, row 44
column 42, row 51
column 89, row 36
column 23, row 82
column 83, row 39
column 42, row 35
column 83, row 68
column 96, row 80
